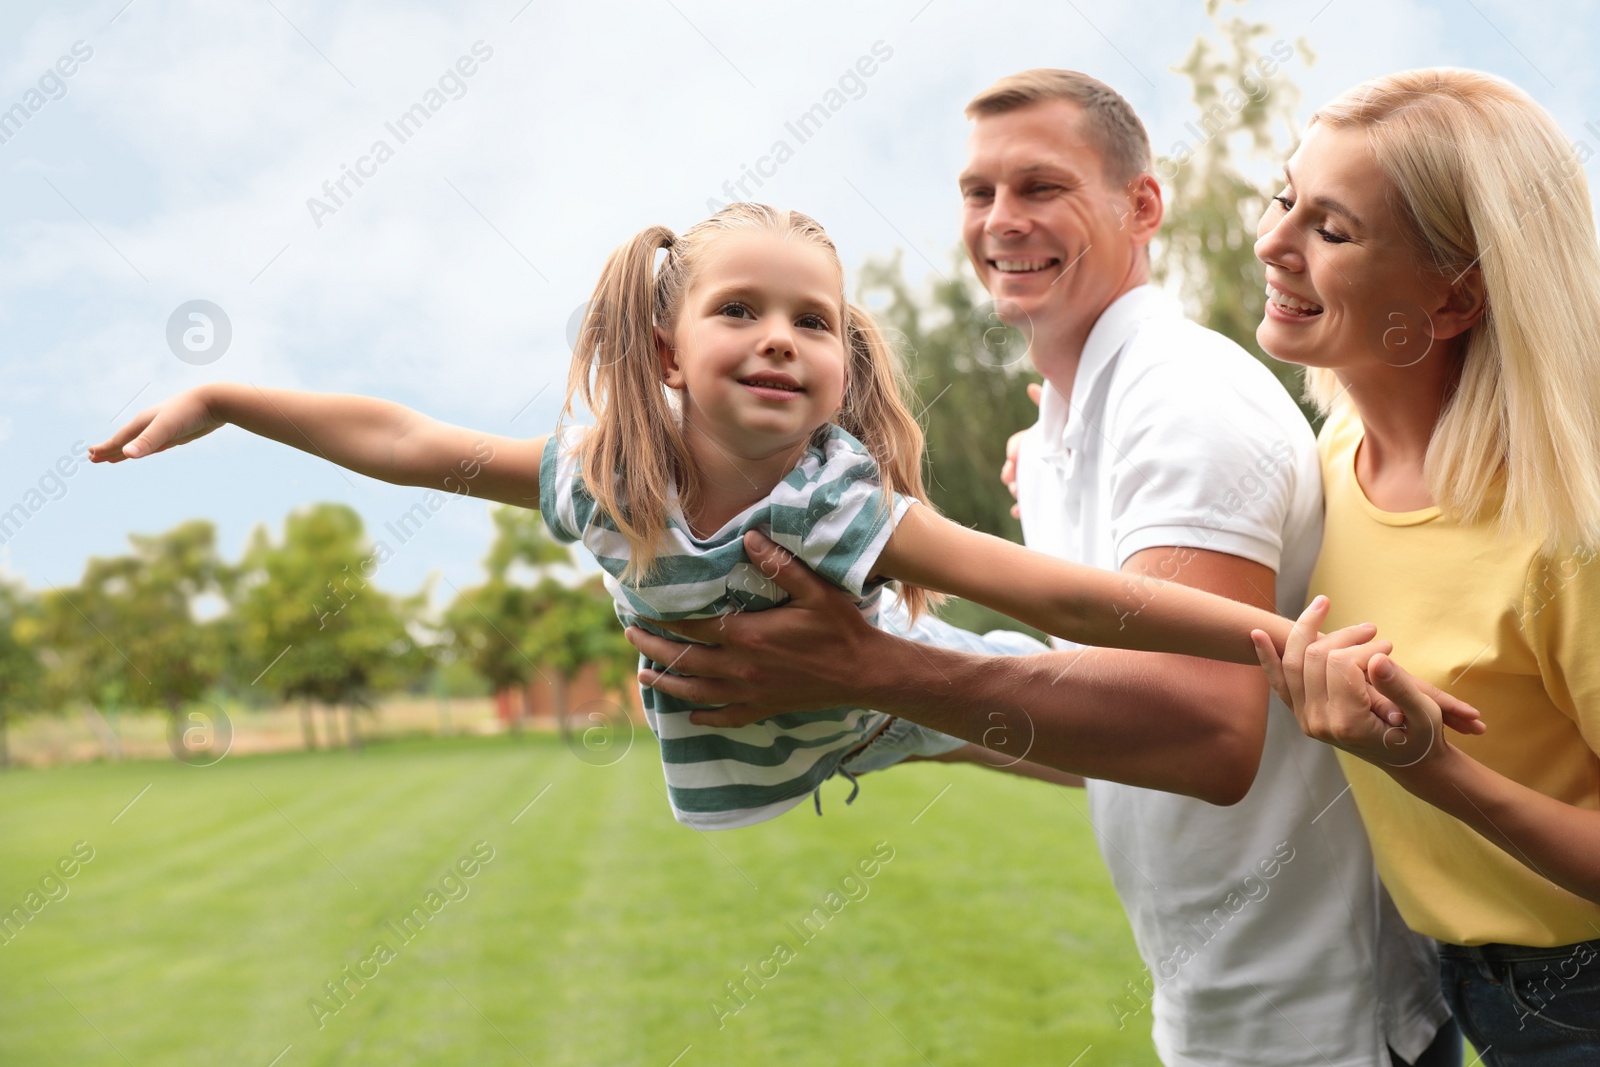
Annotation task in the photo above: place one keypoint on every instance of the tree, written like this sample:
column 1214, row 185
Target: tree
column 126, row 636
column 522, row 540
column 321, row 631
column 572, row 628
column 488, row 623
column 969, row 371
column 485, row 624
column 81, row 667
column 525, row 623
column 180, row 657
column 21, row 672
column 1207, row 240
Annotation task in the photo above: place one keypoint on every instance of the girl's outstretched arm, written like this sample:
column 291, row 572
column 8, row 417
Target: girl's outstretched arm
column 1071, row 601
column 378, row 438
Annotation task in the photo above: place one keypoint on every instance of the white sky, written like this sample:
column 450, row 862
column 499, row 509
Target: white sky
column 178, row 164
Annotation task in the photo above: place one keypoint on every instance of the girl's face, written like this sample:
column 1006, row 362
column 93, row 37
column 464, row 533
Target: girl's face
column 1345, row 289
column 758, row 350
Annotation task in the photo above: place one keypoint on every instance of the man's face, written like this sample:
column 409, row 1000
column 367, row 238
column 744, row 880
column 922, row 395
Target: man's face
column 1047, row 233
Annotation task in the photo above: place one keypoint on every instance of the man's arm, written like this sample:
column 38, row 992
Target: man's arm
column 1161, row 721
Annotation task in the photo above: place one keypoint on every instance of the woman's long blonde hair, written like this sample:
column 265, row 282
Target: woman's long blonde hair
column 1482, row 176
column 636, row 451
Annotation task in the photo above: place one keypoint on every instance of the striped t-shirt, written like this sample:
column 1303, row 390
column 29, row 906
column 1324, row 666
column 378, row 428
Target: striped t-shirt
column 831, row 512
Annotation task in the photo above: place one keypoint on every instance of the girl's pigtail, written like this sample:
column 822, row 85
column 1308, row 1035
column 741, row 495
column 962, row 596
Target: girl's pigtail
column 875, row 412
column 634, row 451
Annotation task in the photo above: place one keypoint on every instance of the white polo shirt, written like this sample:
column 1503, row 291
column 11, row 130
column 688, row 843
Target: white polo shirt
column 1263, row 925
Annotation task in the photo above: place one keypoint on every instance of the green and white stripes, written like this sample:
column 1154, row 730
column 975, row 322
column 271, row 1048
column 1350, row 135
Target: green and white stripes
column 832, row 513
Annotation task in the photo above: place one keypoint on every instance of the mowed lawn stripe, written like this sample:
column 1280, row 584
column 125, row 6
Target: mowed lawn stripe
column 209, row 866
column 1001, row 886
column 410, row 1013
column 615, row 900
column 455, row 799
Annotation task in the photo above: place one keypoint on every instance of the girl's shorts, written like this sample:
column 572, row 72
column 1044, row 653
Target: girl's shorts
column 899, row 739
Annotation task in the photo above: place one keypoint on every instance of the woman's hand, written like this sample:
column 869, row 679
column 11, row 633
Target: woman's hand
column 1346, row 692
column 174, row 421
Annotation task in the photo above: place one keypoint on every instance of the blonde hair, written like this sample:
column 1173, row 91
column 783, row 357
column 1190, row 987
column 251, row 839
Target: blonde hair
column 1482, row 176
column 1109, row 119
column 637, row 452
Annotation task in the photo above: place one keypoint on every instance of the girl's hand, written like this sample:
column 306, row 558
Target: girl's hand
column 1346, row 692
column 175, row 421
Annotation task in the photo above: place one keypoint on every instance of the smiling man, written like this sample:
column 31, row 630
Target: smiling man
column 1164, row 450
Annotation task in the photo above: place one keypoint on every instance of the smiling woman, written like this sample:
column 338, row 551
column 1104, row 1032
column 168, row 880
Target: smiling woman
column 1433, row 259
column 1342, row 281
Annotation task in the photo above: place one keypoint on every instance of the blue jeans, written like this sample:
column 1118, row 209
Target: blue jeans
column 1526, row 1007
column 1445, row 1050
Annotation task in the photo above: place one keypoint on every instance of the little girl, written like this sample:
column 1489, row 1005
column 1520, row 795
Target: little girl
column 733, row 388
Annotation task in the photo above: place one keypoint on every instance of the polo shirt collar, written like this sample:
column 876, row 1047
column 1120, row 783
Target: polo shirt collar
column 1066, row 424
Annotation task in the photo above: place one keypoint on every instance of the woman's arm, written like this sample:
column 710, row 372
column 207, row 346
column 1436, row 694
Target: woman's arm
column 1555, row 840
column 1074, row 602
column 378, row 438
column 1326, row 681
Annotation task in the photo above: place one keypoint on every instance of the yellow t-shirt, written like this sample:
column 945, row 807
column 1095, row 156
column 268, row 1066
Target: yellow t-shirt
column 1512, row 631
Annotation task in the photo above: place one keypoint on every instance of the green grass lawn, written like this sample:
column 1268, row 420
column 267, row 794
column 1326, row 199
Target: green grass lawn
column 218, row 905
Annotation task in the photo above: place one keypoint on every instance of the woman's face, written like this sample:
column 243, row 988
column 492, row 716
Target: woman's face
column 1345, row 289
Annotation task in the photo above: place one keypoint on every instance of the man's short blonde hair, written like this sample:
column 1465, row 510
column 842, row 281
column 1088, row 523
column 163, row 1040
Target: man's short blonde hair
column 1108, row 119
